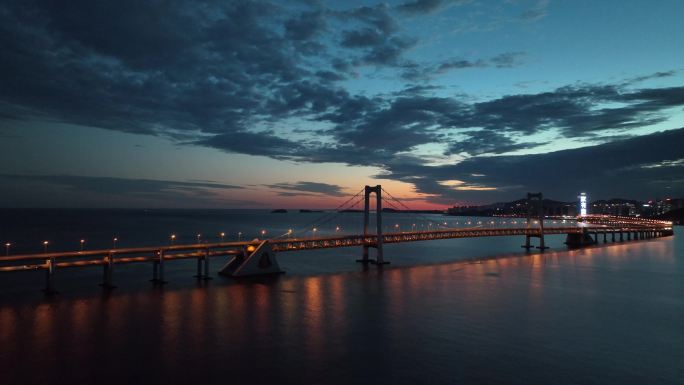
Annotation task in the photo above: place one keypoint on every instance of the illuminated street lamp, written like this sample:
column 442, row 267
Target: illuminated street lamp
column 173, row 239
column 7, row 247
column 263, row 233
column 199, row 238
column 82, row 243
column 114, row 241
column 239, row 235
column 223, row 235
column 45, row 245
column 314, row 232
column 289, row 233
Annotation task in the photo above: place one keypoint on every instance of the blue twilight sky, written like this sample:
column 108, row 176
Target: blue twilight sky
column 299, row 103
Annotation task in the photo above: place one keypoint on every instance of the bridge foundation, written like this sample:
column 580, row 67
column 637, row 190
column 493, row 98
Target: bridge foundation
column 254, row 260
column 574, row 240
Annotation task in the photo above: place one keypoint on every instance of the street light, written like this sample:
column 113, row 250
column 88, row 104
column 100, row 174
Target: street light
column 114, row 241
column 222, row 236
column 314, row 232
column 289, row 233
column 82, row 243
column 173, row 239
column 263, row 233
column 45, row 245
column 7, row 247
column 239, row 235
column 199, row 238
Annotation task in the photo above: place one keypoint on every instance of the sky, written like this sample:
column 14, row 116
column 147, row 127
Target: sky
column 299, row 104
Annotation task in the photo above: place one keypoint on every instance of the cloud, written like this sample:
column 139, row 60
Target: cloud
column 624, row 166
column 88, row 191
column 655, row 75
column 507, row 59
column 538, row 12
column 302, row 188
column 305, row 26
column 232, row 75
column 415, row 71
column 420, row 6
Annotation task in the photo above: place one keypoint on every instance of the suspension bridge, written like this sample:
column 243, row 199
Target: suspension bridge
column 258, row 256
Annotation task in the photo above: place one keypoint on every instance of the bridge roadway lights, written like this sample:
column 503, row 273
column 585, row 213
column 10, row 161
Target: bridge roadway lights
column 254, row 260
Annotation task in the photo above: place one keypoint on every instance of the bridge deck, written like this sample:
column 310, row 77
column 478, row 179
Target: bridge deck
column 146, row 254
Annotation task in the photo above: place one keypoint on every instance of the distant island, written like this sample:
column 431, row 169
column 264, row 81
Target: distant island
column 310, row 211
column 279, row 211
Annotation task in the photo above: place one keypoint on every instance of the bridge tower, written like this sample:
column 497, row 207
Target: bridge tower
column 377, row 190
column 535, row 210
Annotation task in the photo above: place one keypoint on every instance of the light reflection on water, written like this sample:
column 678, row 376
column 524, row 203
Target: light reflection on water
column 598, row 315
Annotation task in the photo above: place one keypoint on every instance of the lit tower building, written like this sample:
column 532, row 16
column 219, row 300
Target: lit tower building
column 583, row 204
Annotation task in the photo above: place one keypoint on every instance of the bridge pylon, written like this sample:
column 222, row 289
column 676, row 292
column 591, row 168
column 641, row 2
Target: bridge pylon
column 377, row 190
column 535, row 211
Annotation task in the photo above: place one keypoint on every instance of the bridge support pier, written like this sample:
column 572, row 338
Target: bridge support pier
column 535, row 210
column 203, row 267
column 107, row 270
column 50, row 277
column 158, row 269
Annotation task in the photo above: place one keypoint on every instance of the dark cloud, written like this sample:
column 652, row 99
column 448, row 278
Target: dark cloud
column 507, row 59
column 487, row 142
column 305, row 26
column 225, row 74
column 415, row 71
column 420, row 6
column 87, row 191
column 641, row 167
column 538, row 12
column 655, row 75
column 316, row 188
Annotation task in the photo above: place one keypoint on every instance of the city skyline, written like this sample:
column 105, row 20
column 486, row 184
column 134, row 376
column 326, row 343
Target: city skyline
column 299, row 104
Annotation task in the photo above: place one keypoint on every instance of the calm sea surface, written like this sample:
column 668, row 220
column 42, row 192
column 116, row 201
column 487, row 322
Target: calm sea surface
column 475, row 311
